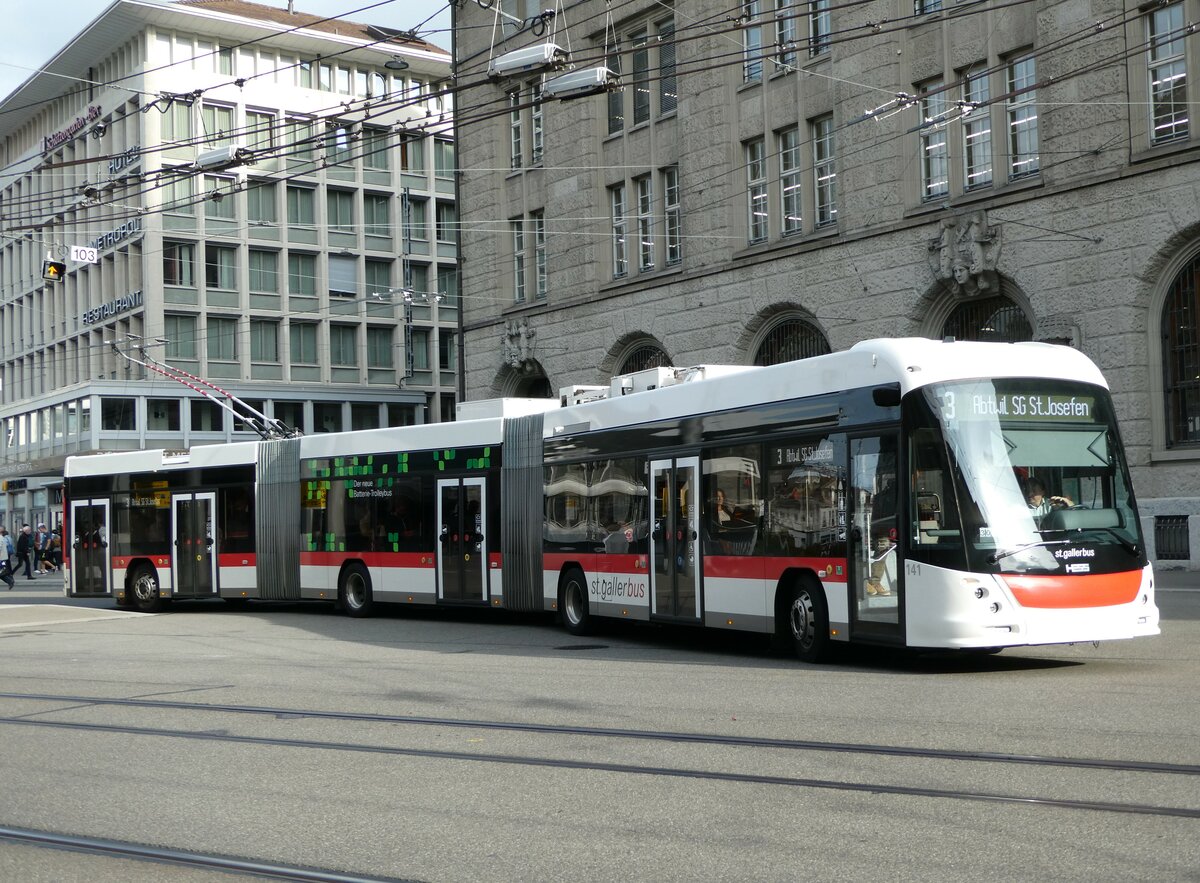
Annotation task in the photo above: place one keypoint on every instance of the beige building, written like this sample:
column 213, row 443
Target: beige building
column 270, row 202
column 807, row 175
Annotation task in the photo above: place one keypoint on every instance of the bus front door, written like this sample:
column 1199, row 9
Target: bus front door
column 875, row 584
column 194, row 564
column 90, row 562
column 462, row 546
column 674, row 540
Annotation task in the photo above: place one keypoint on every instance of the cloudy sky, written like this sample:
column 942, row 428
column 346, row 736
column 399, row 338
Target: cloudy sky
column 42, row 27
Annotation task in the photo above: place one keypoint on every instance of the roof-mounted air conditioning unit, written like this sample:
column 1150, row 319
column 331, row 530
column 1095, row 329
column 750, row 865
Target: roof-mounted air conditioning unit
column 576, row 84
column 543, row 56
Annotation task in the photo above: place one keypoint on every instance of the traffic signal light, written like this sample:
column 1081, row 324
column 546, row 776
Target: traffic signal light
column 53, row 271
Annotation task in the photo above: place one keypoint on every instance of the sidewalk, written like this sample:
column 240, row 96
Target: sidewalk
column 1177, row 579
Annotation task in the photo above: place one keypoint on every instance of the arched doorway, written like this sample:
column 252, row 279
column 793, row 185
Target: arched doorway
column 1180, row 330
column 996, row 319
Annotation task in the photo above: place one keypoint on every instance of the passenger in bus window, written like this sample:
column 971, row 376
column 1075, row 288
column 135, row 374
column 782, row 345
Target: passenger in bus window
column 722, row 513
column 883, row 567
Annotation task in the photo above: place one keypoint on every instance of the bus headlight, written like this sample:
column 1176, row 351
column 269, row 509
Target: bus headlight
column 981, row 592
column 995, row 607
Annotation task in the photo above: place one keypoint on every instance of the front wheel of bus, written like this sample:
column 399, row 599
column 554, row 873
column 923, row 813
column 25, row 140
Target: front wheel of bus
column 143, row 590
column 355, row 591
column 573, row 603
column 808, row 623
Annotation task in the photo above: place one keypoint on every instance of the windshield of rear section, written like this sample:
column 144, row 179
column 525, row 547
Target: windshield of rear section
column 1019, row 476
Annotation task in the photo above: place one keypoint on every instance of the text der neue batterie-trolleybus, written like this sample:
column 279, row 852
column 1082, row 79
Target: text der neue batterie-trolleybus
column 877, row 495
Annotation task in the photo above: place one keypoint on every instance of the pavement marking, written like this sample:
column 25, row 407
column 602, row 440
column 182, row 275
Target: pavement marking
column 19, row 616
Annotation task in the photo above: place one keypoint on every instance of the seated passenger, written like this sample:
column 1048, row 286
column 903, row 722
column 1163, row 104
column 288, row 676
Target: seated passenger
column 1039, row 503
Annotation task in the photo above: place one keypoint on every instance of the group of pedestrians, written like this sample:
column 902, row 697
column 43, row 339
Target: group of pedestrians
column 38, row 550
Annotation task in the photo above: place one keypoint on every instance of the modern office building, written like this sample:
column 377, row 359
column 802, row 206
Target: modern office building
column 776, row 180
column 268, row 198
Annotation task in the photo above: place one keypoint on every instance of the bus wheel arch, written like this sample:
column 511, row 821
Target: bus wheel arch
column 802, row 616
column 142, row 588
column 354, row 589
column 573, row 605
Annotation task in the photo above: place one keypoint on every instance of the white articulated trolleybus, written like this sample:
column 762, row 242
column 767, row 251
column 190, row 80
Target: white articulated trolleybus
column 879, row 495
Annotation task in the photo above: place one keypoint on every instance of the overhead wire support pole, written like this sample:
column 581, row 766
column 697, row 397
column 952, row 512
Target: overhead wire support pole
column 268, row 428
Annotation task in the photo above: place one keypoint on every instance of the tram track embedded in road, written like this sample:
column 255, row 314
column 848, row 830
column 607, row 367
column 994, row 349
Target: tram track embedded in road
column 604, row 766
column 618, row 733
column 185, row 858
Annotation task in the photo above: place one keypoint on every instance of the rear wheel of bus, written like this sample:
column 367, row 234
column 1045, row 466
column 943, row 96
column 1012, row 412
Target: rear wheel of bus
column 354, row 591
column 143, row 590
column 573, row 603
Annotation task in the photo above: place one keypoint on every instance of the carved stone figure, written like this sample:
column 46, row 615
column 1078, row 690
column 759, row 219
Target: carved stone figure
column 517, row 342
column 967, row 250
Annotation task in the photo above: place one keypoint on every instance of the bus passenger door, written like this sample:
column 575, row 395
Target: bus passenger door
column 876, row 590
column 90, row 561
column 675, row 539
column 194, row 562
column 462, row 546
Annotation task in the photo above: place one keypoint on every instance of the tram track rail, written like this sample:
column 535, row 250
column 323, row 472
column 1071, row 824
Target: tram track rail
column 141, row 852
column 76, row 702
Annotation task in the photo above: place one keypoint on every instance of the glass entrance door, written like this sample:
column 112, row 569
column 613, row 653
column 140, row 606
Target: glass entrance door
column 874, row 554
column 90, row 562
column 462, row 546
column 674, row 541
column 194, row 564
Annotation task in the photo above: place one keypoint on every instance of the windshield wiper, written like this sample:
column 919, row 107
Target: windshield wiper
column 1129, row 547
column 995, row 557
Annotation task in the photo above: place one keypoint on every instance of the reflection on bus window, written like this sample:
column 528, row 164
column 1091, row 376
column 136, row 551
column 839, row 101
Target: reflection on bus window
column 806, row 511
column 598, row 504
column 733, row 504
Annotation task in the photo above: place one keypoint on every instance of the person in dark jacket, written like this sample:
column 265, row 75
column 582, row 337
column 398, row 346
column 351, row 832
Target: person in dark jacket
column 25, row 550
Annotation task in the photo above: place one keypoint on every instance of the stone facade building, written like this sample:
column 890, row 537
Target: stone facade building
column 803, row 175
column 270, row 197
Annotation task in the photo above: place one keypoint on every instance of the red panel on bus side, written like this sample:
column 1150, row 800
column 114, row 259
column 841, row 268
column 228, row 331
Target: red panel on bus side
column 1082, row 590
column 371, row 559
column 236, row 559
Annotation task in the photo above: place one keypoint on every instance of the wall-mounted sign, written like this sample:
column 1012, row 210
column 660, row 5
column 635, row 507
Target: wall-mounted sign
column 121, row 160
column 131, row 301
column 15, row 484
column 87, row 255
column 112, row 237
column 62, row 136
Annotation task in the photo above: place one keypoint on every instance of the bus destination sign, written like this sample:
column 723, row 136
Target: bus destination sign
column 1026, row 406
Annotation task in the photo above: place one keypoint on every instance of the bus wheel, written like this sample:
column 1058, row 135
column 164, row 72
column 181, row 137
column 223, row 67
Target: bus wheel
column 808, row 622
column 143, row 590
column 354, row 591
column 573, row 603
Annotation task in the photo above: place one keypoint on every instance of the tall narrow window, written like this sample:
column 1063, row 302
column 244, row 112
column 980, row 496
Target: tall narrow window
column 220, row 267
column 218, row 125
column 222, row 339
column 260, row 203
column 446, row 221
column 535, row 118
column 668, row 97
column 264, row 340
column 820, row 28
column 343, row 345
column 620, row 257
column 302, row 337
column 641, row 78
column 539, row 253
column 789, row 179
column 977, row 132
column 824, row 173
column 1169, row 117
column 514, row 129
column 935, row 156
column 377, row 219
column 375, row 151
column 752, row 41
column 1022, row 119
column 264, row 270
column 616, row 98
column 301, row 206
column 260, row 130
column 1181, row 357
column 672, row 214
column 443, row 158
column 302, row 274
column 785, row 34
column 181, row 336
column 756, row 189
column 645, row 222
column 517, row 226
column 343, row 276
column 379, row 347
column 340, row 208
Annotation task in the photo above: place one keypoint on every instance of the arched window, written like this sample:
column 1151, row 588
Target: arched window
column 1181, row 357
column 996, row 319
column 535, row 387
column 647, row 355
column 789, row 340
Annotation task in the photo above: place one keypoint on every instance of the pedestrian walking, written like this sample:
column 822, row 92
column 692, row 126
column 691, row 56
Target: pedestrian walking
column 41, row 546
column 25, row 550
column 6, row 553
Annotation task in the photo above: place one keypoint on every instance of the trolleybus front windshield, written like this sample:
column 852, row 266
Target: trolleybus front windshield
column 1020, row 476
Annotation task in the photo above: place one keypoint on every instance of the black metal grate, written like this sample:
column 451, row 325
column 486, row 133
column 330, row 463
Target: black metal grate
column 995, row 319
column 790, row 340
column 645, row 356
column 1171, row 538
column 1181, row 357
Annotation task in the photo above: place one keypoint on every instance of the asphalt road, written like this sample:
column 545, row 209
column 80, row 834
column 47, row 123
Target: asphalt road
column 294, row 737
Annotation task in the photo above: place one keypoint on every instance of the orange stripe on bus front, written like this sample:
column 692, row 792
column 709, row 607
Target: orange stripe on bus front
column 1080, row 590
